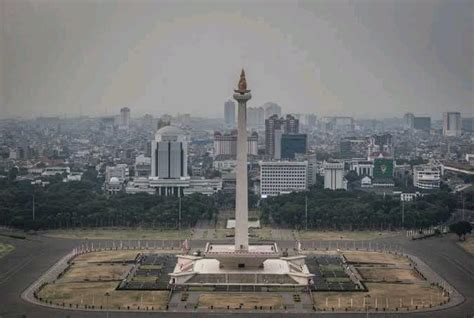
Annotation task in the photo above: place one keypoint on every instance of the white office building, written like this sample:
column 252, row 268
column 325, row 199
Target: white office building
column 452, row 124
column 334, row 176
column 174, row 187
column 426, row 177
column 363, row 167
column 169, row 154
column 279, row 177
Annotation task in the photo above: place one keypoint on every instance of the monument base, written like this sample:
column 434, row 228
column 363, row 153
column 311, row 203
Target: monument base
column 261, row 265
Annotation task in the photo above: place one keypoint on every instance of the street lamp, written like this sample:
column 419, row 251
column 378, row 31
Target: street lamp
column 366, row 297
column 107, row 303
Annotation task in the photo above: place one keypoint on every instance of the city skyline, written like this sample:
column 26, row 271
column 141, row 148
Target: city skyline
column 87, row 59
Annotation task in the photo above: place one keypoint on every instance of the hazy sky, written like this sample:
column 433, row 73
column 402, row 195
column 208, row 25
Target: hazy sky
column 361, row 58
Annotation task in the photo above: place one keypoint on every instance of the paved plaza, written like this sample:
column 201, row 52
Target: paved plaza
column 34, row 256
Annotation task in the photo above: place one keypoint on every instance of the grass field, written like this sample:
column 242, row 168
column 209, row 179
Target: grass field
column 5, row 249
column 247, row 301
column 120, row 234
column 343, row 235
column 468, row 244
column 382, row 295
column 93, row 293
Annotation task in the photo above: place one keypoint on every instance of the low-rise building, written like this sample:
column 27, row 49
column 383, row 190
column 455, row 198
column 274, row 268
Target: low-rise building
column 278, row 177
column 406, row 197
column 426, row 177
column 119, row 171
column 174, row 187
column 363, row 167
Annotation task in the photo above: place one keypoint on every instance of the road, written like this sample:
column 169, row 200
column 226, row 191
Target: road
column 36, row 255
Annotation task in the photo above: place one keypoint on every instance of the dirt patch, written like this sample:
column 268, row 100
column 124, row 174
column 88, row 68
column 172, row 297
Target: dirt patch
column 375, row 258
column 382, row 295
column 343, row 235
column 468, row 244
column 94, row 272
column 121, row 234
column 94, row 294
column 5, row 249
column 388, row 274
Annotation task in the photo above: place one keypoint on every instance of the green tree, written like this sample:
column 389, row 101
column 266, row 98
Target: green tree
column 461, row 228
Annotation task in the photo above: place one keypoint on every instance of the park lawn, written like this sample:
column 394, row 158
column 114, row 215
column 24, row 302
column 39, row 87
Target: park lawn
column 120, row 234
column 343, row 235
column 5, row 249
column 234, row 300
column 93, row 293
column 468, row 244
column 382, row 295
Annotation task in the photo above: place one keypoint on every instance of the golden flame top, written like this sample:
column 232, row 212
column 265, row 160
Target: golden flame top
column 242, row 82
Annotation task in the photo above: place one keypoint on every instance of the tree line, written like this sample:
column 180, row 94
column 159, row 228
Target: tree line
column 83, row 204
column 355, row 210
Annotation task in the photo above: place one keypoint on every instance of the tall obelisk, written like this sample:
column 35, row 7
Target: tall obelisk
column 241, row 95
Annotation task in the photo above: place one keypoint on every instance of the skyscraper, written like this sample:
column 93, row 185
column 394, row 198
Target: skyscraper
column 124, row 118
column 408, row 121
column 274, row 128
column 255, row 117
column 452, row 124
column 169, row 154
column 271, row 109
column 272, row 124
column 291, row 125
column 229, row 113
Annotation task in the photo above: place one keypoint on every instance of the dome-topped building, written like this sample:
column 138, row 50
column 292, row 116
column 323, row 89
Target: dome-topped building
column 169, row 133
column 169, row 153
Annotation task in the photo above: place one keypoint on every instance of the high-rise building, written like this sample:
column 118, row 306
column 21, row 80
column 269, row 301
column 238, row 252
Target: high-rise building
column 334, row 176
column 422, row 123
column 340, row 123
column 226, row 144
column 291, row 125
column 408, row 121
column 291, row 144
column 255, row 117
column 272, row 124
column 274, row 128
column 310, row 121
column 467, row 124
column 169, row 154
column 229, row 113
column 271, row 109
column 124, row 118
column 452, row 124
column 279, row 177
